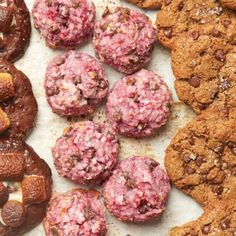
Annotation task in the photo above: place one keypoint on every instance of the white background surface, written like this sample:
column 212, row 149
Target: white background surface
column 49, row 126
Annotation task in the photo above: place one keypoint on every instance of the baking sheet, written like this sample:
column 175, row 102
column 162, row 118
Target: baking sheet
column 49, row 126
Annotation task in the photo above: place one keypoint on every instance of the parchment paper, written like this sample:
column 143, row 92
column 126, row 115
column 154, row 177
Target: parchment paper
column 49, row 126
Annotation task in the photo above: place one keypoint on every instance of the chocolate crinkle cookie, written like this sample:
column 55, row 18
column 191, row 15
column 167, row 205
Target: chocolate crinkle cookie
column 198, row 17
column 25, row 187
column 64, row 23
column 75, row 84
column 77, row 212
column 201, row 159
column 86, row 153
column 139, row 104
column 137, row 191
column 15, row 29
column 124, row 39
column 204, row 69
column 219, row 219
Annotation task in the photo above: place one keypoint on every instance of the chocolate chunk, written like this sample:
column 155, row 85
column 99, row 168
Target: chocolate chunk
column 189, row 170
column 186, row 157
column 4, row 194
column 200, row 160
column 206, row 229
column 13, row 213
column 225, row 224
column 195, row 35
column 219, row 150
column 168, row 32
column 218, row 189
column 220, row 55
column 226, row 23
column 194, row 81
column 168, row 2
column 181, row 6
column 215, row 32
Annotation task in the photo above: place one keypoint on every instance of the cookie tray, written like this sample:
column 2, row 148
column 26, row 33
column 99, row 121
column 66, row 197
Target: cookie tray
column 180, row 208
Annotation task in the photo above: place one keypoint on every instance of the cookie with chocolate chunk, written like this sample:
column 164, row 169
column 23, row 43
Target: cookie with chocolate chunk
column 231, row 4
column 217, row 221
column 17, row 102
column 197, row 17
column 147, row 4
column 201, row 159
column 204, row 68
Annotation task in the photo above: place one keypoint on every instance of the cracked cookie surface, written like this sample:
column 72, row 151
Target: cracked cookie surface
column 231, row 4
column 197, row 17
column 147, row 4
column 201, row 158
column 204, row 68
column 217, row 221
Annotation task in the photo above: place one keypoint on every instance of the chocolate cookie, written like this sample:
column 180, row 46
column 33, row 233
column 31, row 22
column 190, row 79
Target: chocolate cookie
column 204, row 68
column 201, row 159
column 147, row 4
column 217, row 221
column 17, row 102
column 197, row 17
column 15, row 28
column 25, row 187
column 229, row 4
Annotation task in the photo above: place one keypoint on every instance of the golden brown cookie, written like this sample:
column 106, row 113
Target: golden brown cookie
column 197, row 17
column 201, row 159
column 231, row 4
column 219, row 219
column 147, row 4
column 204, row 67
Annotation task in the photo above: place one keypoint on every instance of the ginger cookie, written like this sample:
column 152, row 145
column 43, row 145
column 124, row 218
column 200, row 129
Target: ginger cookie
column 204, row 68
column 147, row 4
column 231, row 4
column 217, row 221
column 201, row 159
column 197, row 17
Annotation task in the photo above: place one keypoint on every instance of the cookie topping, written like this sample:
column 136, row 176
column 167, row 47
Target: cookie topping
column 218, row 189
column 167, row 2
column 225, row 224
column 194, row 81
column 206, row 229
column 220, row 55
column 168, row 32
column 195, row 35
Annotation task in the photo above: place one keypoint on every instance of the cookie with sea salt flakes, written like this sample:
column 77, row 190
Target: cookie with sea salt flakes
column 216, row 221
column 147, row 4
column 204, row 68
column 197, row 17
column 201, row 159
column 231, row 4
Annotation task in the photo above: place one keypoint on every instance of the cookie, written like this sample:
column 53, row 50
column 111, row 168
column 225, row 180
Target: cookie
column 147, row 4
column 197, row 17
column 139, row 104
column 124, row 39
column 204, row 69
column 201, row 158
column 217, row 221
column 137, row 191
column 86, row 153
column 231, row 4
column 25, row 187
column 75, row 84
column 64, row 24
column 17, row 101
column 76, row 212
column 15, row 29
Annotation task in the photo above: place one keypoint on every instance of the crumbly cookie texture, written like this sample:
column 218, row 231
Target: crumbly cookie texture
column 204, row 68
column 218, row 219
column 197, row 17
column 229, row 4
column 147, row 4
column 201, row 158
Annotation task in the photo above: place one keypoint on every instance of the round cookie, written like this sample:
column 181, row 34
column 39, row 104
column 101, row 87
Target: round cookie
column 75, row 84
column 197, row 17
column 137, row 191
column 204, row 68
column 64, row 23
column 76, row 212
column 147, row 4
column 229, row 4
column 201, row 158
column 216, row 221
column 17, row 102
column 139, row 104
column 86, row 153
column 124, row 39
column 25, row 187
column 15, row 29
